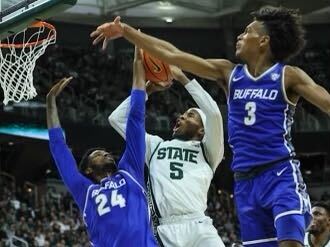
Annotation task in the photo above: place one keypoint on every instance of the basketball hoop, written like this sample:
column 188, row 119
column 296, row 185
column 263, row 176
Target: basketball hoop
column 18, row 56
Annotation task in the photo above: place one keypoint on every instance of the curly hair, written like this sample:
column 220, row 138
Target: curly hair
column 285, row 29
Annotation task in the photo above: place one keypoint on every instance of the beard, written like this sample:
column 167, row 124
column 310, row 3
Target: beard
column 104, row 169
column 316, row 230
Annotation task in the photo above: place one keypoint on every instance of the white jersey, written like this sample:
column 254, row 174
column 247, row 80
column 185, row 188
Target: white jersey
column 180, row 176
column 308, row 242
column 181, row 171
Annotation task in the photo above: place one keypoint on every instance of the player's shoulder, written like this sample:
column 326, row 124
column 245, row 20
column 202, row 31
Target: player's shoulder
column 293, row 71
column 294, row 74
column 154, row 139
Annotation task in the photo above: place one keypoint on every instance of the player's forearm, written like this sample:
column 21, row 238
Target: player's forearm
column 214, row 142
column 183, row 79
column 52, row 114
column 156, row 47
column 203, row 99
column 137, row 108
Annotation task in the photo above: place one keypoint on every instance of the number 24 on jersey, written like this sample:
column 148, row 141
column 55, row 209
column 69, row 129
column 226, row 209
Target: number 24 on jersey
column 103, row 206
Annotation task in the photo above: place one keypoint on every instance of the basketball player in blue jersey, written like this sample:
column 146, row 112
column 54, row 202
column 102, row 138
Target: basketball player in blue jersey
column 111, row 198
column 272, row 204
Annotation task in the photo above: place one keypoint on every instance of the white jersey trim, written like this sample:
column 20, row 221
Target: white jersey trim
column 260, row 76
column 286, row 213
column 259, row 241
column 300, row 211
column 283, row 88
column 294, row 172
column 286, row 132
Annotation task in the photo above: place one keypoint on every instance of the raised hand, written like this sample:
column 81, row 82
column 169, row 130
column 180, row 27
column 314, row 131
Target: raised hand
column 153, row 87
column 58, row 87
column 139, row 78
column 52, row 115
column 108, row 31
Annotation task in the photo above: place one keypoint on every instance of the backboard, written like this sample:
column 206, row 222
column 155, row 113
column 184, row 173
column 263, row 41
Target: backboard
column 16, row 15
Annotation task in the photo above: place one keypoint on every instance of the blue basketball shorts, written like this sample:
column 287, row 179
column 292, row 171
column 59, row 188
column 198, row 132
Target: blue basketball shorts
column 273, row 206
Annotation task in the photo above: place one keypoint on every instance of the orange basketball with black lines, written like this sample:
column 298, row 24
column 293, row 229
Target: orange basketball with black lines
column 156, row 70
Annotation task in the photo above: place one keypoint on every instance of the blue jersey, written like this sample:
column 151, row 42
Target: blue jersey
column 115, row 211
column 259, row 117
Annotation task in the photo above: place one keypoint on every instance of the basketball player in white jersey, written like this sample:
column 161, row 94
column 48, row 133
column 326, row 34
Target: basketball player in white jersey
column 181, row 169
column 318, row 233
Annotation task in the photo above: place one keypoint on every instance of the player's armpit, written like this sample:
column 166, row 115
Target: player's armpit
column 303, row 85
column 224, row 67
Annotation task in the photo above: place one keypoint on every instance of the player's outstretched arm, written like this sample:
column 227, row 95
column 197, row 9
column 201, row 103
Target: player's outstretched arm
column 213, row 137
column 165, row 51
column 64, row 160
column 133, row 157
column 303, row 85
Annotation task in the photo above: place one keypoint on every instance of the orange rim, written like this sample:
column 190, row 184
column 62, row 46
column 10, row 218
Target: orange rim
column 37, row 24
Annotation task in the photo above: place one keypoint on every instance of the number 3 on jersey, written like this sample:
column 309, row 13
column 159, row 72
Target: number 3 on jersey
column 251, row 108
column 102, row 200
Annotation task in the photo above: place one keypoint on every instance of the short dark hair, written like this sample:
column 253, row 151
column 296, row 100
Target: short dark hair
column 323, row 204
column 84, row 162
column 285, row 29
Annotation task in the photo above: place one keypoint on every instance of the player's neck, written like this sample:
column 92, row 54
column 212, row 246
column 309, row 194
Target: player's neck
column 259, row 65
column 319, row 240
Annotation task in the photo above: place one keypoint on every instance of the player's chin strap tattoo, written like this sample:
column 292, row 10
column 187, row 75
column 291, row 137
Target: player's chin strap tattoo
column 155, row 215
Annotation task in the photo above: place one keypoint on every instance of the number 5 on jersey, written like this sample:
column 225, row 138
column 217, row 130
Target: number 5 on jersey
column 251, row 108
column 102, row 202
column 176, row 170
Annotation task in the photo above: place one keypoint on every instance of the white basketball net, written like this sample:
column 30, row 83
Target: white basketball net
column 17, row 61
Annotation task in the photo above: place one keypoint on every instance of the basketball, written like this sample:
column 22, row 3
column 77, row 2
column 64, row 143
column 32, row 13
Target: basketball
column 156, row 70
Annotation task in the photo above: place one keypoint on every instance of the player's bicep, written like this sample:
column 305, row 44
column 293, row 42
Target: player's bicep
column 214, row 140
column 305, row 86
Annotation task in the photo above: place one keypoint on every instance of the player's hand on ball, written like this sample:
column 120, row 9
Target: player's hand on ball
column 179, row 75
column 160, row 86
column 108, row 31
column 58, row 88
